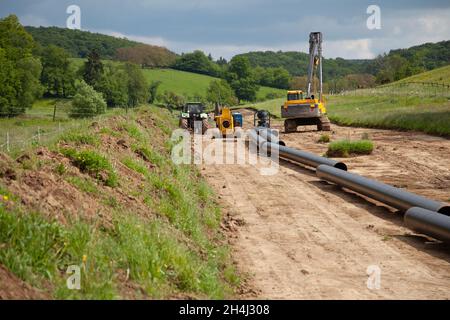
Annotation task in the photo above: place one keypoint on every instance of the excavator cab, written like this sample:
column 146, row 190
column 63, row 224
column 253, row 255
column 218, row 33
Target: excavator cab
column 295, row 95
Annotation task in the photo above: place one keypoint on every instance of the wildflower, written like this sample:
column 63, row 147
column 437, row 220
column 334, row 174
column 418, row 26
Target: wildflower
column 84, row 258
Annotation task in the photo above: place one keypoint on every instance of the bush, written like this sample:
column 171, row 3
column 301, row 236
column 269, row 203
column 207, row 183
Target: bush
column 325, row 138
column 172, row 100
column 87, row 102
column 219, row 91
column 345, row 148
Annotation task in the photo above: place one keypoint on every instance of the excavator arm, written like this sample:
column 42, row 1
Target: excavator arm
column 315, row 61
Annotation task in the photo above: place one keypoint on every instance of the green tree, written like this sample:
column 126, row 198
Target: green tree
column 197, row 62
column 113, row 84
column 29, row 71
column 93, row 69
column 281, row 78
column 219, row 91
column 241, row 79
column 137, row 85
column 245, row 89
column 153, row 91
column 87, row 102
column 19, row 70
column 239, row 68
column 58, row 75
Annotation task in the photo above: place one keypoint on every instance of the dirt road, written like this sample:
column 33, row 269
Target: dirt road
column 305, row 239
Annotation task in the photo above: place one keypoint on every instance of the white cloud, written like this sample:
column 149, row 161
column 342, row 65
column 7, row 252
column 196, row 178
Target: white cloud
column 34, row 21
column 156, row 41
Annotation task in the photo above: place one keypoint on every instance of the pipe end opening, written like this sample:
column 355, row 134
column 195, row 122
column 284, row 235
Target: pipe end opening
column 341, row 165
column 445, row 210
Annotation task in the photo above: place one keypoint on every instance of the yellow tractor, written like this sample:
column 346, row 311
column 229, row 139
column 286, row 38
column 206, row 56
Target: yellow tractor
column 301, row 108
column 227, row 121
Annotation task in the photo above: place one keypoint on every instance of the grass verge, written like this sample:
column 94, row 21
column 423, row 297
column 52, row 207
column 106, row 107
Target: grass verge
column 157, row 236
column 346, row 148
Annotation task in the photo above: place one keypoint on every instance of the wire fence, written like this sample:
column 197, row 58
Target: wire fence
column 407, row 88
column 39, row 126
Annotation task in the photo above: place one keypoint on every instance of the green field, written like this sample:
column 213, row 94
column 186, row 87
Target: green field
column 400, row 105
column 184, row 83
column 273, row 106
column 181, row 82
column 191, row 84
column 394, row 106
column 36, row 126
column 440, row 75
column 426, row 114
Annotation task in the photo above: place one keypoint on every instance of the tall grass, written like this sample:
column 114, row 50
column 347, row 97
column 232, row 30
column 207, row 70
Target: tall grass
column 176, row 248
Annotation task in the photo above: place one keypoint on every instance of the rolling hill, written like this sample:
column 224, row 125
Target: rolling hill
column 79, row 43
column 394, row 106
column 439, row 75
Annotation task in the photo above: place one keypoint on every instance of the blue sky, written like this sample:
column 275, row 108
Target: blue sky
column 227, row 27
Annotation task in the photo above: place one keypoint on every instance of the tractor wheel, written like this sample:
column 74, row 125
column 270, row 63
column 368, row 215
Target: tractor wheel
column 184, row 124
column 324, row 124
column 205, row 126
column 290, row 125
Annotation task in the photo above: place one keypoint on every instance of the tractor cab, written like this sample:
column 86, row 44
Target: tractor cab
column 194, row 112
column 194, row 108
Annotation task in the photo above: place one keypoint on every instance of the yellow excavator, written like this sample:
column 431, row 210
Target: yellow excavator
column 301, row 109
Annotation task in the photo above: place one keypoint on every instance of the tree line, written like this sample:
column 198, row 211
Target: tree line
column 29, row 71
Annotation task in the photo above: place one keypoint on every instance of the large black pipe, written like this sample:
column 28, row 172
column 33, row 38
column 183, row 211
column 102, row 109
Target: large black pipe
column 302, row 157
column 270, row 135
column 392, row 196
column 428, row 222
column 309, row 159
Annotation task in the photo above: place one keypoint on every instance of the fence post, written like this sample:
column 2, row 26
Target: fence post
column 54, row 113
column 7, row 141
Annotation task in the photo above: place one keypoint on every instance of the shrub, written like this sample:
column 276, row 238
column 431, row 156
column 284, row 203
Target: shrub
column 345, row 148
column 172, row 100
column 325, row 138
column 87, row 102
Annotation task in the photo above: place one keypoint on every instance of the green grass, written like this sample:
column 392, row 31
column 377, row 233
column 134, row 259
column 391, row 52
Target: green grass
column 36, row 126
column 439, row 75
column 191, row 84
column 426, row 114
column 273, row 106
column 175, row 247
column 410, row 107
column 93, row 163
column 79, row 139
column 184, row 83
column 84, row 184
column 346, row 148
column 181, row 82
column 324, row 138
column 39, row 251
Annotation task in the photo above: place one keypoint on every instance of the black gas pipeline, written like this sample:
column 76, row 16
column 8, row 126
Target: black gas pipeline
column 270, row 135
column 268, row 140
column 428, row 222
column 423, row 215
column 392, row 196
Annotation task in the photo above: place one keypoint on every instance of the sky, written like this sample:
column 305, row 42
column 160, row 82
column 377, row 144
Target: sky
column 229, row 27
